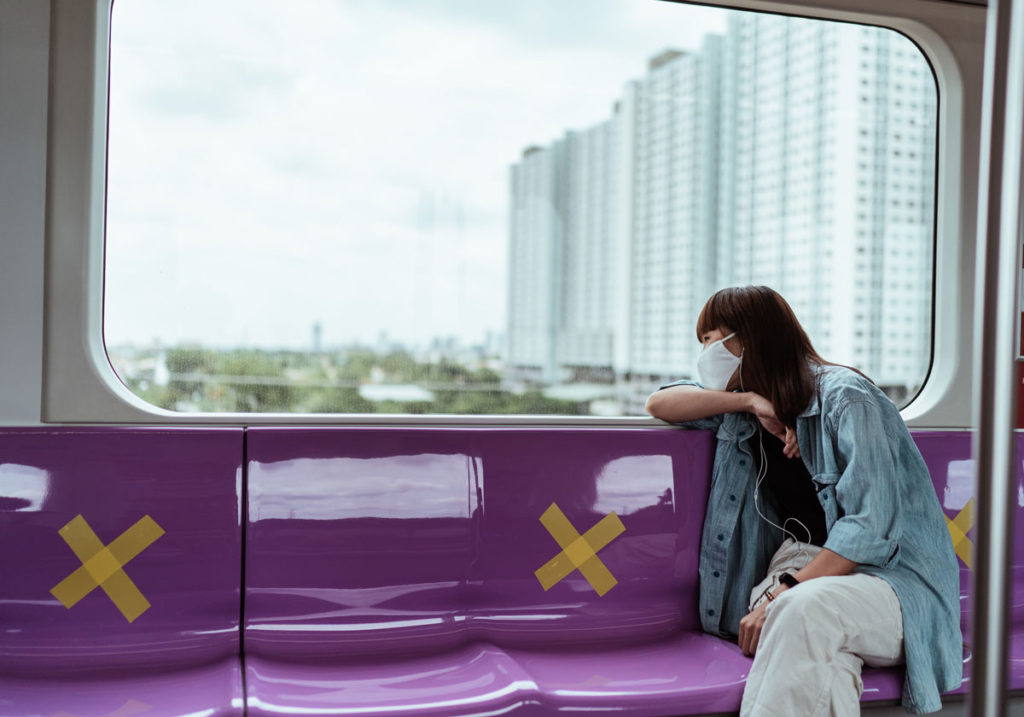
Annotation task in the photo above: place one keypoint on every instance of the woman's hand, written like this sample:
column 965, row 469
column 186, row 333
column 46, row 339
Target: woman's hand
column 750, row 629
column 764, row 411
column 792, row 448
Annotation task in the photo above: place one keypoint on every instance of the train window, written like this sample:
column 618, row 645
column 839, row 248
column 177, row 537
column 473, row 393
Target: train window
column 459, row 207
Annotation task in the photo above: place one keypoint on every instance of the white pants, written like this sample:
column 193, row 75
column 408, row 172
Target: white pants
column 815, row 639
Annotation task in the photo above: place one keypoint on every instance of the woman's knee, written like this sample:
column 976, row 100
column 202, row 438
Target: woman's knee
column 801, row 607
column 806, row 622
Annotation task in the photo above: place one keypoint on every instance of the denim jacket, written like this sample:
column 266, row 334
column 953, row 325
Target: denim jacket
column 881, row 511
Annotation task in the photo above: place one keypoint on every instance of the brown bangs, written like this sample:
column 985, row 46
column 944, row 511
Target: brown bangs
column 716, row 314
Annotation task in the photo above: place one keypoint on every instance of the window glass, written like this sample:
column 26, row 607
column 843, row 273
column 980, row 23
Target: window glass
column 451, row 206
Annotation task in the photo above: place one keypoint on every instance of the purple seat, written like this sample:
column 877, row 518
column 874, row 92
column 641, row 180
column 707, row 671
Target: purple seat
column 393, row 570
column 691, row 670
column 401, row 562
column 386, row 570
column 213, row 689
column 102, row 656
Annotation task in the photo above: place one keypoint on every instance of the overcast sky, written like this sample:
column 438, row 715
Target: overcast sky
column 272, row 165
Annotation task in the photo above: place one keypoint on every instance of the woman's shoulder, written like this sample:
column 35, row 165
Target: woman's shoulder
column 840, row 385
column 841, row 388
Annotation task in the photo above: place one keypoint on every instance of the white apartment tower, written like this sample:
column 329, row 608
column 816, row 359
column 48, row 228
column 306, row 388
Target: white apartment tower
column 894, row 224
column 591, row 251
column 674, row 207
column 827, row 184
column 536, row 231
column 777, row 172
column 794, row 153
column 566, row 242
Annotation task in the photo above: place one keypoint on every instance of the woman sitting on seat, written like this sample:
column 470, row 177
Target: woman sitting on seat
column 824, row 544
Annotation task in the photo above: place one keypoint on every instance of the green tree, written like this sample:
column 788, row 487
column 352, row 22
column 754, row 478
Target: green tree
column 268, row 392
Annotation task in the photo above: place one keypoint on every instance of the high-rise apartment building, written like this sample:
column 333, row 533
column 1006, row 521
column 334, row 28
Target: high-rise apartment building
column 777, row 169
column 895, row 215
column 827, row 184
column 793, row 153
column 591, row 251
column 674, row 207
column 536, row 230
column 567, row 242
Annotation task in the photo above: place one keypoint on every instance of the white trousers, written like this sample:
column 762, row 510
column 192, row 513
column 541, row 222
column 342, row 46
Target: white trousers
column 815, row 639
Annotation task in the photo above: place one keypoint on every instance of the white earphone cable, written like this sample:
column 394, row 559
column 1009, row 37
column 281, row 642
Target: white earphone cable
column 762, row 472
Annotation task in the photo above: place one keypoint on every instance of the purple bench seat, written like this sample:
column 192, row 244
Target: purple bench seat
column 181, row 654
column 387, row 570
column 393, row 570
column 482, row 678
column 214, row 689
column 378, row 555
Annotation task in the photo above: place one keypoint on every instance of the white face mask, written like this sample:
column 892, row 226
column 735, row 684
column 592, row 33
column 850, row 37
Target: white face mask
column 716, row 365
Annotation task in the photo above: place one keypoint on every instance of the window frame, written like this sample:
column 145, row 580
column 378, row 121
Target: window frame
column 80, row 386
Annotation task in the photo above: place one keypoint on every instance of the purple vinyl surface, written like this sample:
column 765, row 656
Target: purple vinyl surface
column 369, row 541
column 213, row 690
column 387, row 571
column 394, row 569
column 188, row 482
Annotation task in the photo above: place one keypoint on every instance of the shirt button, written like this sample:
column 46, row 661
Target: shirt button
column 743, row 461
column 715, row 573
column 711, row 612
column 721, row 536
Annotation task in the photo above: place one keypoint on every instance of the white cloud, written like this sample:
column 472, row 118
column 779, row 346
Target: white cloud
column 270, row 165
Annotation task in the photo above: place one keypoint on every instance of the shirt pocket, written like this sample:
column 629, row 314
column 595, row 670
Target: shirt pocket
column 825, row 487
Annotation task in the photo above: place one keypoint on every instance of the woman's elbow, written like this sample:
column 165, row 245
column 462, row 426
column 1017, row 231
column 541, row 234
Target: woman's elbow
column 655, row 405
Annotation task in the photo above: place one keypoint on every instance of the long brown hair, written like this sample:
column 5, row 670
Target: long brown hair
column 777, row 353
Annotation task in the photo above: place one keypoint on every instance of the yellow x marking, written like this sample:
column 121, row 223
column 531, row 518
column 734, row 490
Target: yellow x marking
column 958, row 528
column 579, row 551
column 101, row 565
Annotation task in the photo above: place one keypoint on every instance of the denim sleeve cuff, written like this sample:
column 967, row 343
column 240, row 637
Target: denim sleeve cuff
column 684, row 382
column 855, row 543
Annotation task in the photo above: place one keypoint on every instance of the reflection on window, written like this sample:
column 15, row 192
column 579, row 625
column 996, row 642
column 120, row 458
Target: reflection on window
column 455, row 207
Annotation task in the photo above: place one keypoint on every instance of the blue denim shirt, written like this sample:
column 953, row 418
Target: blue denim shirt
column 881, row 511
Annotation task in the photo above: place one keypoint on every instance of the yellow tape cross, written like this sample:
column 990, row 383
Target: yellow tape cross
column 579, row 551
column 958, row 528
column 101, row 565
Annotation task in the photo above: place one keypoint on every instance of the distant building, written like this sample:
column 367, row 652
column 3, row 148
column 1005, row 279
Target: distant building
column 318, row 336
column 831, row 202
column 674, row 208
column 400, row 393
column 595, row 243
column 537, row 231
column 790, row 152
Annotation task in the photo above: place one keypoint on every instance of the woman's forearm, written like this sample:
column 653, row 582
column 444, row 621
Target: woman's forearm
column 677, row 404
column 825, row 563
column 822, row 565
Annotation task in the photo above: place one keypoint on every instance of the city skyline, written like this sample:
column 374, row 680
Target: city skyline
column 418, row 263
column 789, row 152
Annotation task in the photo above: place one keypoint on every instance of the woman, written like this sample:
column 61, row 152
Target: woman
column 824, row 544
